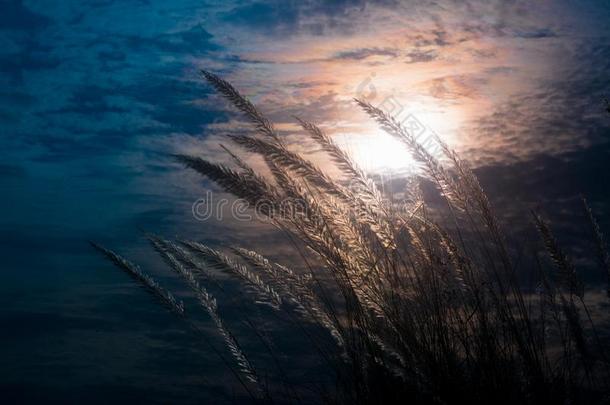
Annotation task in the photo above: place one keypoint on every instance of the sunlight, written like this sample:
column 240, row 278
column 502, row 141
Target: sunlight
column 379, row 152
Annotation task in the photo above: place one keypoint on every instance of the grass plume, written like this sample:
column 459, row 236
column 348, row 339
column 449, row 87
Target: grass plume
column 425, row 304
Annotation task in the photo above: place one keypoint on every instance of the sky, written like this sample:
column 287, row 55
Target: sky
column 105, row 85
column 95, row 94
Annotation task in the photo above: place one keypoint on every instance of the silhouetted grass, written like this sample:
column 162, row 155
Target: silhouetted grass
column 419, row 312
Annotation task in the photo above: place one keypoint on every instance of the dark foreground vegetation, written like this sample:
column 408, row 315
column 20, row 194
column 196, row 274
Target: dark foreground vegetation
column 404, row 302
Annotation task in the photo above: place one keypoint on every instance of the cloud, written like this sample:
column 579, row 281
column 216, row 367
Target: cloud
column 16, row 98
column 552, row 184
column 191, row 41
column 364, row 53
column 536, row 33
column 20, row 49
column 270, row 18
column 12, row 171
column 289, row 18
column 30, row 57
column 90, row 100
column 417, row 56
column 310, row 84
column 562, row 112
column 17, row 17
column 452, row 87
column 172, row 103
column 112, row 56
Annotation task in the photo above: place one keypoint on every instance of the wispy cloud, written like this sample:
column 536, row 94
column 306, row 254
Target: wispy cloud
column 504, row 81
column 417, row 56
column 363, row 53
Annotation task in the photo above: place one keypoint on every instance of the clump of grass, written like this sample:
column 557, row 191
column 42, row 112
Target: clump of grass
column 421, row 305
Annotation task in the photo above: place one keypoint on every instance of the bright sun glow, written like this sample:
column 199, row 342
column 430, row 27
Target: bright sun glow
column 379, row 152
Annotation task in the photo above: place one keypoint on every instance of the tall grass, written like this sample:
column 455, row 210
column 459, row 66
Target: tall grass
column 418, row 304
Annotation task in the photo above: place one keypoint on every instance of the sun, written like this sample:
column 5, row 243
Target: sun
column 378, row 152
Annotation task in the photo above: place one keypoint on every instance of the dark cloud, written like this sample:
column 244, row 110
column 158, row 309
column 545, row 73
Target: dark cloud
column 31, row 56
column 309, row 84
column 363, row 53
column 112, row 56
column 552, row 185
column 536, row 33
column 503, row 19
column 12, row 171
column 237, row 59
column 16, row 16
column 310, row 16
column 545, row 178
column 563, row 112
column 272, row 18
column 435, row 37
column 441, row 38
column 417, row 56
column 15, row 106
column 61, row 149
column 8, row 117
column 484, row 53
column 90, row 100
column 16, row 98
column 192, row 41
column 20, row 28
column 172, row 104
